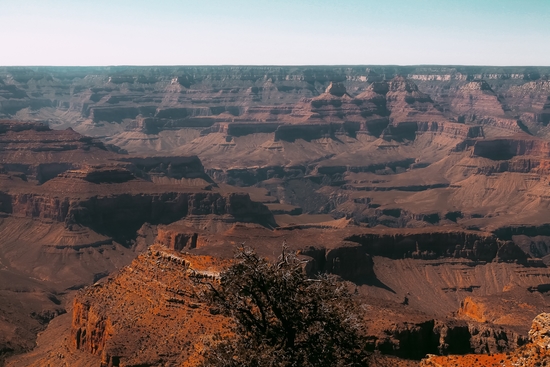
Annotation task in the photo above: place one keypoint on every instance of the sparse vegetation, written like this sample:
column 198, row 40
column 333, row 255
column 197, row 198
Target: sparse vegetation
column 283, row 318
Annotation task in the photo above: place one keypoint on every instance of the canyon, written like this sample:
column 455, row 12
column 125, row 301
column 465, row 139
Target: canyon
column 424, row 188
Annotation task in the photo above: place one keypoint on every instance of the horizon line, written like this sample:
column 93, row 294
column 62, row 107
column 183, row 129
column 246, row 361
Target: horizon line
column 277, row 65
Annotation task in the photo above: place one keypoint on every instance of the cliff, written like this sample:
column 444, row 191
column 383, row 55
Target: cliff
column 476, row 99
column 83, row 183
column 535, row 353
column 122, row 214
column 507, row 148
column 174, row 318
column 450, row 128
column 41, row 153
column 423, row 244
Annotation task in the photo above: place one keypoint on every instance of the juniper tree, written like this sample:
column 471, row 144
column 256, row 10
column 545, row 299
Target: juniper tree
column 283, row 318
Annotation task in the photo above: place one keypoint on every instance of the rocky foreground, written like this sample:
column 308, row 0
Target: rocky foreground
column 150, row 313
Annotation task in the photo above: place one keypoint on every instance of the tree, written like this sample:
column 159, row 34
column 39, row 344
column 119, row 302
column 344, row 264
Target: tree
column 283, row 318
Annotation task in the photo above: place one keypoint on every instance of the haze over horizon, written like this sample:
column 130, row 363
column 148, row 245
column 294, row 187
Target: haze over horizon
column 283, row 32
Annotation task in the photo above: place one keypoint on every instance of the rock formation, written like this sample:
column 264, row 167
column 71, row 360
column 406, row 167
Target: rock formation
column 535, row 353
column 170, row 312
column 71, row 210
column 424, row 188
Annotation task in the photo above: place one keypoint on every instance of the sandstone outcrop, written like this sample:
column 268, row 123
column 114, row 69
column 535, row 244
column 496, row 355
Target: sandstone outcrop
column 534, row 353
column 117, row 212
column 540, row 331
column 170, row 314
column 453, row 129
column 422, row 244
column 476, row 99
column 442, row 337
column 41, row 153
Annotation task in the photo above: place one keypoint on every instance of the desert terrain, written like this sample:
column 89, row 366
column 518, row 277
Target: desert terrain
column 426, row 189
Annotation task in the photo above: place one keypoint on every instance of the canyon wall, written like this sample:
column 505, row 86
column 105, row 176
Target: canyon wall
column 122, row 215
column 159, row 98
column 437, row 244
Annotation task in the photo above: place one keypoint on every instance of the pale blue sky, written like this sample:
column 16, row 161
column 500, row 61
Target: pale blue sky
column 275, row 32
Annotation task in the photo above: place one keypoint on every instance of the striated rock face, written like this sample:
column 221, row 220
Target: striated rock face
column 18, row 126
column 509, row 308
column 177, row 97
column 291, row 133
column 123, row 214
column 472, row 309
column 120, row 328
column 237, row 129
column 100, row 328
column 177, row 241
column 348, row 260
column 116, row 212
column 334, row 255
column 394, row 110
column 34, row 206
column 100, row 174
column 452, row 129
column 492, row 339
column 41, row 153
column 114, row 114
column 83, row 184
column 534, row 353
column 187, row 171
column 397, row 102
column 475, row 100
column 506, row 148
column 408, row 105
column 434, row 244
column 415, row 340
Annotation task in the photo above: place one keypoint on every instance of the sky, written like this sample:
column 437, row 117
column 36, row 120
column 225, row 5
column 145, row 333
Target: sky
column 274, row 32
